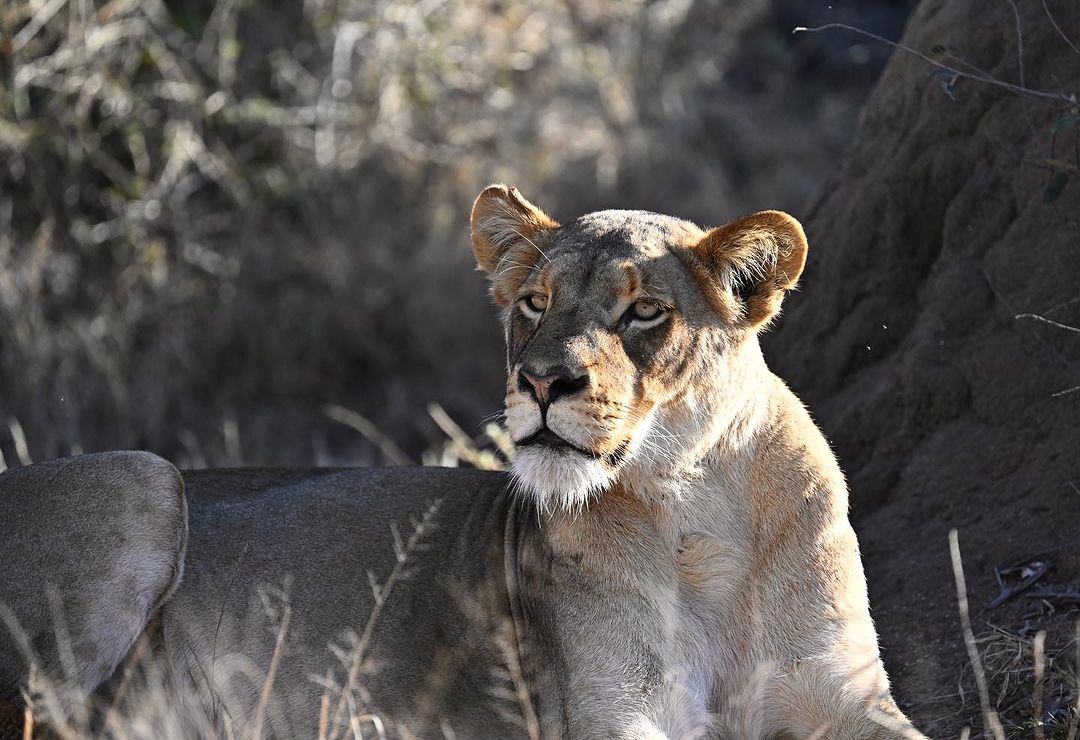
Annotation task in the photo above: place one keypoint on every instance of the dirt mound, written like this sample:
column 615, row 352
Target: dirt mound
column 948, row 408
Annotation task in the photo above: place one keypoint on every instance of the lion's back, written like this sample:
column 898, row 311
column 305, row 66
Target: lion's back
column 322, row 546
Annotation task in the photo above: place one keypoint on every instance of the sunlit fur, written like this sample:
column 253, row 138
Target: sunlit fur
column 693, row 481
column 560, row 478
column 662, row 423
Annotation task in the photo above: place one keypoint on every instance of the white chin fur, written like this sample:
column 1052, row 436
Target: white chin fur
column 559, row 478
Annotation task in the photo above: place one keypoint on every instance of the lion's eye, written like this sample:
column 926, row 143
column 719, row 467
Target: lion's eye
column 534, row 304
column 645, row 310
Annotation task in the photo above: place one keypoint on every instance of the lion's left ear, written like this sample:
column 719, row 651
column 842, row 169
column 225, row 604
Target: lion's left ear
column 753, row 261
column 507, row 231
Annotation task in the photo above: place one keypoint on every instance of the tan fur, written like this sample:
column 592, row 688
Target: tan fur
column 768, row 248
column 508, row 223
column 727, row 515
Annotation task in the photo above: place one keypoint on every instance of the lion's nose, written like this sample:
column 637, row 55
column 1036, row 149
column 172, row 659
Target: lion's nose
column 547, row 388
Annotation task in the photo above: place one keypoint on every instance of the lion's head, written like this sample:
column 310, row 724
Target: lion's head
column 631, row 346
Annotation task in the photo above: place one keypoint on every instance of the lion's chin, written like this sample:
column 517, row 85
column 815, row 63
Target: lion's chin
column 560, row 478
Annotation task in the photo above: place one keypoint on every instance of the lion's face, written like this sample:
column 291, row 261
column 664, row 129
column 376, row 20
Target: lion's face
column 624, row 333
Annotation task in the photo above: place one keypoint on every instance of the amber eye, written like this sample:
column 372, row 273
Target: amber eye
column 534, row 304
column 645, row 310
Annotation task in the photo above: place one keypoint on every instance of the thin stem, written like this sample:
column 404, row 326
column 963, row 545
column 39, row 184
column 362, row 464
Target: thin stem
column 1020, row 89
column 1045, row 320
column 1054, row 23
column 991, row 724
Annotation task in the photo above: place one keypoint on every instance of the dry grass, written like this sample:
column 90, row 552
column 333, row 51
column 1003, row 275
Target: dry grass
column 1034, row 701
column 216, row 220
column 1025, row 686
column 143, row 703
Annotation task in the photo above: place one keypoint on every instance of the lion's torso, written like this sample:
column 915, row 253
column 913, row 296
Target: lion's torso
column 632, row 618
column 325, row 545
column 741, row 590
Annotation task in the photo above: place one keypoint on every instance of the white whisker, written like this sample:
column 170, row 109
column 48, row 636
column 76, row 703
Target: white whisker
column 533, row 245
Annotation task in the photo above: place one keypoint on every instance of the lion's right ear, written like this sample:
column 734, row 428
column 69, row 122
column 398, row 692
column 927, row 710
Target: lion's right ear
column 751, row 263
column 505, row 232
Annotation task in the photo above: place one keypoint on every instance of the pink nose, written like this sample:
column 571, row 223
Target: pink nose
column 546, row 389
column 541, row 386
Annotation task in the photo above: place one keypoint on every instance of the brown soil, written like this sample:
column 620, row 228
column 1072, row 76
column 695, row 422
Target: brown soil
column 925, row 246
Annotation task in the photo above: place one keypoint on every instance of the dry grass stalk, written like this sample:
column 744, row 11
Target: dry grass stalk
column 463, row 446
column 112, row 716
column 507, row 642
column 371, row 432
column 275, row 663
column 28, row 722
column 18, row 436
column 991, row 723
column 1074, row 721
column 381, row 592
column 373, row 719
column 1040, row 669
column 324, row 710
column 501, row 439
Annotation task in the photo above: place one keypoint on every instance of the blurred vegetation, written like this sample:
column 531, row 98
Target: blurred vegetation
column 216, row 217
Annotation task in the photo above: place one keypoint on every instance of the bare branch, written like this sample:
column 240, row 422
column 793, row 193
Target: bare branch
column 1045, row 320
column 1054, row 23
column 1020, row 89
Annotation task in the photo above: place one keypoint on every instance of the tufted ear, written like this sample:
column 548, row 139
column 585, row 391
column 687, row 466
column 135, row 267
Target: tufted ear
column 751, row 262
column 507, row 231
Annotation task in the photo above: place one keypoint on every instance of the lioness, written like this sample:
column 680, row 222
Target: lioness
column 670, row 557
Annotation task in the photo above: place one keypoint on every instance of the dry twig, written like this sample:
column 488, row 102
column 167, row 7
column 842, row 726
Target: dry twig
column 991, row 723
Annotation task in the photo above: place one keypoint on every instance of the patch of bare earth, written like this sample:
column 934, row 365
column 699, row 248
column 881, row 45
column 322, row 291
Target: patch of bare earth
column 917, row 342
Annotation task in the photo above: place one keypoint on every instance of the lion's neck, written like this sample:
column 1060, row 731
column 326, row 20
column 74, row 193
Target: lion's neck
column 694, row 478
column 715, row 427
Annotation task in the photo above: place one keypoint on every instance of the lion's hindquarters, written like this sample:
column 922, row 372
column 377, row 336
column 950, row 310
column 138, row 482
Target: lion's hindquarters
column 89, row 547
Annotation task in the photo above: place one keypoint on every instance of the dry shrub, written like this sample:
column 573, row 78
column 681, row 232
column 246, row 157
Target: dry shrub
column 1011, row 661
column 216, row 217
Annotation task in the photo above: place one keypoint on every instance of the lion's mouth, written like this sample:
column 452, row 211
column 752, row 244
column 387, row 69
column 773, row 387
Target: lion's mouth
column 544, row 437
